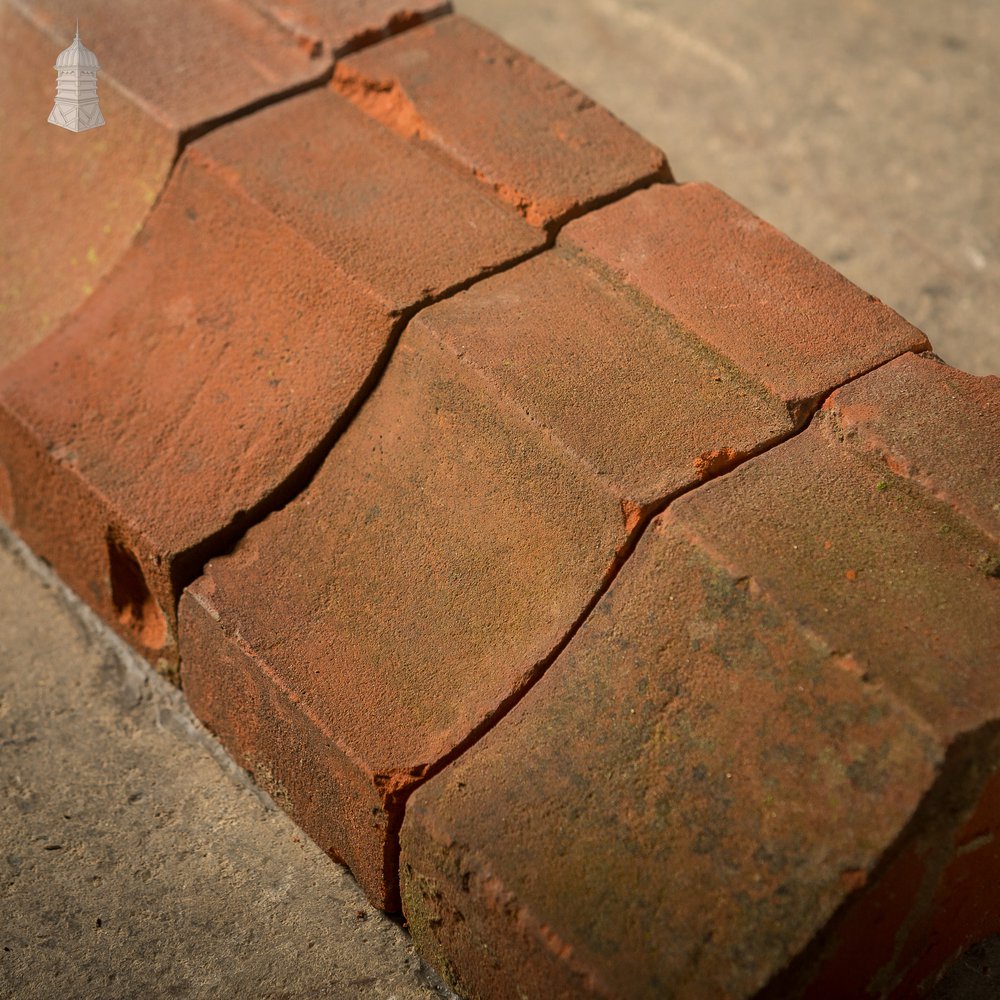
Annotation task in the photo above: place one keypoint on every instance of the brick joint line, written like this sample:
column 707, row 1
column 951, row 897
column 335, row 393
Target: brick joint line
column 397, row 24
column 225, row 539
column 398, row 800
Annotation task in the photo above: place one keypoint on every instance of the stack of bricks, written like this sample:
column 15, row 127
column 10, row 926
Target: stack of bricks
column 608, row 582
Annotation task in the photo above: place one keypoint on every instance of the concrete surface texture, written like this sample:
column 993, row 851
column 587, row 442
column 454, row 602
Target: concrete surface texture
column 135, row 860
column 865, row 130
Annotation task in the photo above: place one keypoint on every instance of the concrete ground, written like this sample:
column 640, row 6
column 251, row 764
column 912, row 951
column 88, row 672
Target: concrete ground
column 868, row 130
column 135, row 861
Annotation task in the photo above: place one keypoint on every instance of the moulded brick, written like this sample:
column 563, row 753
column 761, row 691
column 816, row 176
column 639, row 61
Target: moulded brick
column 456, row 532
column 212, row 370
column 762, row 761
column 538, row 142
column 783, row 316
column 440, row 554
column 934, row 424
column 219, row 355
column 641, row 403
column 674, row 809
column 340, row 26
column 70, row 204
column 389, row 214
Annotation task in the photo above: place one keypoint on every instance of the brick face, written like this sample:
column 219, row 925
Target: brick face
column 789, row 712
column 933, row 425
column 611, row 378
column 694, row 739
column 785, row 318
column 225, row 350
column 604, row 579
column 417, row 584
column 541, row 145
column 182, row 396
column 70, row 205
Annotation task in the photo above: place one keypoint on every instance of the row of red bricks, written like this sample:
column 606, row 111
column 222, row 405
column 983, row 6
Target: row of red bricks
column 361, row 359
column 170, row 70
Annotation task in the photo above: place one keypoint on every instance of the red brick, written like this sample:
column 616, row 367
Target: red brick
column 640, row 403
column 218, row 361
column 784, row 317
column 933, row 424
column 745, row 756
column 456, row 532
column 389, row 215
column 394, row 605
column 70, row 204
column 340, row 26
column 539, row 143
column 876, row 563
column 677, row 807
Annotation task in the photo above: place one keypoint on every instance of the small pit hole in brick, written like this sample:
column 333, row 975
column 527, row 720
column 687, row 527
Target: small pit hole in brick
column 135, row 606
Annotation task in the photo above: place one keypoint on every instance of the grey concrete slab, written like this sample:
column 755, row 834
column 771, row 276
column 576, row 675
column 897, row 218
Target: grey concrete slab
column 135, row 859
column 868, row 130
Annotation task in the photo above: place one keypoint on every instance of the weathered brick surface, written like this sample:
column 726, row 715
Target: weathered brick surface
column 636, row 399
column 433, row 566
column 70, row 204
column 786, row 318
column 179, row 399
column 786, row 704
column 540, row 144
column 446, row 547
column 388, row 214
column 395, row 604
column 935, row 425
column 227, row 347
column 769, row 758
column 340, row 26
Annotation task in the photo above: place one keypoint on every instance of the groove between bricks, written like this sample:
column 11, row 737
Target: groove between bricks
column 400, row 798
column 189, row 566
column 397, row 24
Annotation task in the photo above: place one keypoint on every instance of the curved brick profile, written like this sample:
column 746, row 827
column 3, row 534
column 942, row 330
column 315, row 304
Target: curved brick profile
column 770, row 755
column 611, row 584
column 523, row 433
column 70, row 205
column 539, row 143
column 252, row 313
